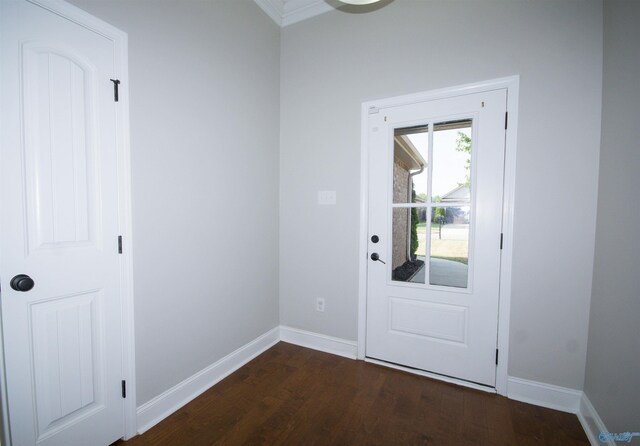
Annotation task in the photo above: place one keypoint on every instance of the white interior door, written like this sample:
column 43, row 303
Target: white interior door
column 59, row 225
column 435, row 212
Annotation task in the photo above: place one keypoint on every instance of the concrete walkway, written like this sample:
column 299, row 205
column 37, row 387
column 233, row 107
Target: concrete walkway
column 444, row 273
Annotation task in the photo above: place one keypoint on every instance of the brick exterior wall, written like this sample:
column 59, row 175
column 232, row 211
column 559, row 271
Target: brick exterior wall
column 400, row 238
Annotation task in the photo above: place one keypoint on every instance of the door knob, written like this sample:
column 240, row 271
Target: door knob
column 375, row 257
column 22, row 282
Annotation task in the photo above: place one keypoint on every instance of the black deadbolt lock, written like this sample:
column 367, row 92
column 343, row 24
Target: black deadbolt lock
column 375, row 238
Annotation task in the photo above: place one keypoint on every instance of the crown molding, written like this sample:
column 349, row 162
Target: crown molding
column 286, row 12
column 273, row 8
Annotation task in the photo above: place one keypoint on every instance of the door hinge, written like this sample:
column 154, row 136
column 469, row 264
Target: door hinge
column 119, row 244
column 496, row 357
column 116, row 82
column 506, row 120
column 501, row 239
column 124, row 389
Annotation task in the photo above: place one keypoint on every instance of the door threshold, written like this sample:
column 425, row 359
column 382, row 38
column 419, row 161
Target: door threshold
column 445, row 378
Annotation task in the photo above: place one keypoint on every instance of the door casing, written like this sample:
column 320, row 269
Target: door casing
column 120, row 44
column 369, row 107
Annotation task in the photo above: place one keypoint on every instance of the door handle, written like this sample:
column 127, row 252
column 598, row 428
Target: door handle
column 375, row 257
column 22, row 282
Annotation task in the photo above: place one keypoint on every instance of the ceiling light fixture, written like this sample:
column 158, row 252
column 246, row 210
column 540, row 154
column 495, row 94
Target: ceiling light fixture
column 359, row 2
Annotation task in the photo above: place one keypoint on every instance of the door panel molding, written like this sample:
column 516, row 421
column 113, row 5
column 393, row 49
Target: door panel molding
column 511, row 84
column 51, row 73
column 119, row 40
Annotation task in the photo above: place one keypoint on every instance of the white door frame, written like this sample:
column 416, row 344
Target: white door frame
column 512, row 85
column 120, row 44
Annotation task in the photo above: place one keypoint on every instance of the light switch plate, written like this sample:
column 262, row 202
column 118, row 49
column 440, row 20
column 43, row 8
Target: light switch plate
column 326, row 197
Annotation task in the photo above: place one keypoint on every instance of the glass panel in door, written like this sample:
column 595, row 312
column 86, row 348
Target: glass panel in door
column 450, row 211
column 432, row 194
column 409, row 244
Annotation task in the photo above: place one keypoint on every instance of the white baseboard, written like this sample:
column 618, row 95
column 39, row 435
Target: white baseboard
column 160, row 407
column 592, row 423
column 316, row 341
column 545, row 395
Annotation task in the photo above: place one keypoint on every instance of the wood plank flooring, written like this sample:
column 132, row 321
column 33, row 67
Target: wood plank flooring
column 291, row 395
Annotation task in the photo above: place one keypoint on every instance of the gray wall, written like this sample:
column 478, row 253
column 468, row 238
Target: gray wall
column 332, row 63
column 204, row 136
column 613, row 359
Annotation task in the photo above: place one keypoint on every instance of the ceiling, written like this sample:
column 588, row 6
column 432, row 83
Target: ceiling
column 286, row 12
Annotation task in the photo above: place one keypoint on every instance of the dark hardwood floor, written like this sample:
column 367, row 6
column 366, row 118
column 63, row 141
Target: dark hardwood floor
column 291, row 395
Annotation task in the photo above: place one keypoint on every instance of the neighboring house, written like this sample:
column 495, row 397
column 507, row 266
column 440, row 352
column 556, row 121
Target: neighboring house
column 461, row 193
column 407, row 162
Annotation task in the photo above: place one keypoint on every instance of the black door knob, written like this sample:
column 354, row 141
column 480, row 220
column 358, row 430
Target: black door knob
column 22, row 282
column 376, row 258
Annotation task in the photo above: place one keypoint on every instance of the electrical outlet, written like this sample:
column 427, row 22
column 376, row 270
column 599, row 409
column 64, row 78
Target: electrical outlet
column 320, row 304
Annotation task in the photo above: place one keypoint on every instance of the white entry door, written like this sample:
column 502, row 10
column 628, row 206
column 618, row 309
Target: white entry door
column 435, row 212
column 62, row 338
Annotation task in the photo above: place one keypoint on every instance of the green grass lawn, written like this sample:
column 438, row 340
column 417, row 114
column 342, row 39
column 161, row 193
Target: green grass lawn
column 454, row 250
column 423, row 226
